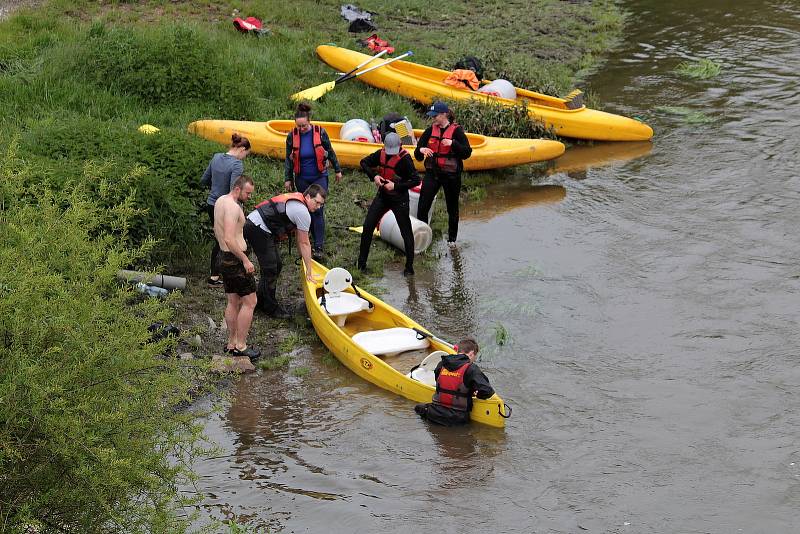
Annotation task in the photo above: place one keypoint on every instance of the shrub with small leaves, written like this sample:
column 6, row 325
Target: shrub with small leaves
column 90, row 438
column 497, row 120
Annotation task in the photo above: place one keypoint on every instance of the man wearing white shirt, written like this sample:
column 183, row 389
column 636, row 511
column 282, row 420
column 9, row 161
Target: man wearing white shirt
column 273, row 220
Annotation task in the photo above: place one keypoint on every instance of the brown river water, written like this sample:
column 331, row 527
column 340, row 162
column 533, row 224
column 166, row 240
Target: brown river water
column 650, row 298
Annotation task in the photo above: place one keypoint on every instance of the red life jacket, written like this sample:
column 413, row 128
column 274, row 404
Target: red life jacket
column 387, row 167
column 451, row 391
column 440, row 158
column 273, row 213
column 321, row 153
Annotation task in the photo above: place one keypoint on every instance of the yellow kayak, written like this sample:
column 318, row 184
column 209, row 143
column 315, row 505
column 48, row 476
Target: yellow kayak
column 426, row 84
column 383, row 328
column 269, row 138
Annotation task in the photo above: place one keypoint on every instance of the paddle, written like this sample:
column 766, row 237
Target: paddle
column 314, row 93
column 342, row 75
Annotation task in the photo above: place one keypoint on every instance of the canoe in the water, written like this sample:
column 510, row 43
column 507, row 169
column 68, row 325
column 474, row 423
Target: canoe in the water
column 426, row 84
column 269, row 138
column 382, row 329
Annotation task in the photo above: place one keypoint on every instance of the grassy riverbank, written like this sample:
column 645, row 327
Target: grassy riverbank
column 78, row 77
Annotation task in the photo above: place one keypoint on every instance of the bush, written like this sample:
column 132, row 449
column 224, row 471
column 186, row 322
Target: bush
column 163, row 170
column 166, row 64
column 489, row 118
column 90, row 440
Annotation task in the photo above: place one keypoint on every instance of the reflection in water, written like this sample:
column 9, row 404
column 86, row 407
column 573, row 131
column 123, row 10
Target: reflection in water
column 501, row 198
column 465, row 454
column 452, row 299
column 578, row 159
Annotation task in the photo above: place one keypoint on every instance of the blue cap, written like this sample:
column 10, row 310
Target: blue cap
column 436, row 108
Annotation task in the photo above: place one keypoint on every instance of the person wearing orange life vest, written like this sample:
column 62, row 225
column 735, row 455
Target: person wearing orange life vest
column 273, row 220
column 308, row 153
column 458, row 377
column 444, row 146
column 392, row 170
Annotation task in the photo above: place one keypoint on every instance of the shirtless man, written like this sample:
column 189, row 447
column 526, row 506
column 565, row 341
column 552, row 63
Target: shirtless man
column 237, row 270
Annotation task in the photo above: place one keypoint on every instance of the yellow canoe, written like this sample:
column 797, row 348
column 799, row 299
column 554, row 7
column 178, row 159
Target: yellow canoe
column 269, row 138
column 426, row 84
column 378, row 370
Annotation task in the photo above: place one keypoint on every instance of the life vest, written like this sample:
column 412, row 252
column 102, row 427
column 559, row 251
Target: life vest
column 387, row 167
column 451, row 391
column 440, row 158
column 273, row 213
column 463, row 79
column 321, row 153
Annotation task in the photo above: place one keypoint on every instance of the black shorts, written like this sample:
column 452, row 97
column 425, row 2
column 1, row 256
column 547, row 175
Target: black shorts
column 234, row 277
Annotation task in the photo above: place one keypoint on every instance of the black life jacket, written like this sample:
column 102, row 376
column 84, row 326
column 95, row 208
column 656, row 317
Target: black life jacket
column 451, row 391
column 273, row 213
column 441, row 159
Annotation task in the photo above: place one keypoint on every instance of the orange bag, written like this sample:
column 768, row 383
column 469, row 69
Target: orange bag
column 464, row 79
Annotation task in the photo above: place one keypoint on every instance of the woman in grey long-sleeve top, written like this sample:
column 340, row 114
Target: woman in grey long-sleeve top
column 223, row 170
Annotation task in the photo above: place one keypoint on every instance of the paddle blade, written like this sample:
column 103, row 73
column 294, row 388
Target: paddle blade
column 314, row 93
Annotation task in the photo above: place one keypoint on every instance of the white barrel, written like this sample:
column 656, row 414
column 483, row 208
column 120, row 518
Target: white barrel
column 413, row 202
column 356, row 130
column 504, row 88
column 390, row 232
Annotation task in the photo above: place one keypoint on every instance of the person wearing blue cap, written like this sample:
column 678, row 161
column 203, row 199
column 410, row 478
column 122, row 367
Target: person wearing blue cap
column 392, row 170
column 444, row 147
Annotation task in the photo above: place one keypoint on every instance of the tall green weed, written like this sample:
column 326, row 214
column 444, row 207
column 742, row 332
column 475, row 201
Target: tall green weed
column 490, row 118
column 90, row 440
column 165, row 65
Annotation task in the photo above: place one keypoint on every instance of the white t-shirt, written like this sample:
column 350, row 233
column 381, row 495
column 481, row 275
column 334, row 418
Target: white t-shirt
column 295, row 210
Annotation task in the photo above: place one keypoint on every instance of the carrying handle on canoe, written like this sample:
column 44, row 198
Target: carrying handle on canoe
column 421, row 334
column 358, row 294
column 507, row 409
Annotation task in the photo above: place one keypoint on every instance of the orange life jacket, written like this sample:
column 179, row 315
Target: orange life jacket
column 320, row 152
column 451, row 391
column 463, row 79
column 273, row 213
column 441, row 158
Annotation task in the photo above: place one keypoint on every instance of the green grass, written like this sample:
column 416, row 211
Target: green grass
column 702, row 69
column 501, row 336
column 689, row 115
column 270, row 364
column 300, row 371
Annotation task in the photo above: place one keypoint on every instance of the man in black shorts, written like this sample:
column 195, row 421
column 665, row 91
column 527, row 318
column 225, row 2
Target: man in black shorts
column 236, row 267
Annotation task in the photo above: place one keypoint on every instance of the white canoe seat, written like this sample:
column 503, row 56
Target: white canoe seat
column 337, row 303
column 340, row 305
column 390, row 341
column 424, row 372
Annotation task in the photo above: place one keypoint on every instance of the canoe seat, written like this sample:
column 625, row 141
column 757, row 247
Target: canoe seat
column 337, row 303
column 390, row 341
column 424, row 372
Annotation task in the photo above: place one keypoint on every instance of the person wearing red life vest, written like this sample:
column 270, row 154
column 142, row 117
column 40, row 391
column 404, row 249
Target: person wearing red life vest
column 272, row 221
column 392, row 170
column 308, row 154
column 444, row 146
column 458, row 377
